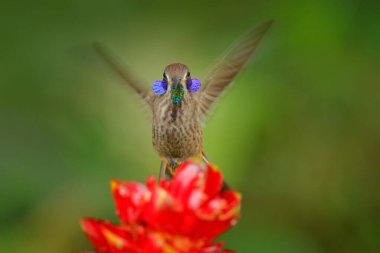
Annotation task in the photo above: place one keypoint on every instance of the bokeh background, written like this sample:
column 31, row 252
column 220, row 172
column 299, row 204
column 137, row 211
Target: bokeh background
column 298, row 134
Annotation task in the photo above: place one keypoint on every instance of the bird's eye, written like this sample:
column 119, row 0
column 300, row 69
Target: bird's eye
column 188, row 74
column 164, row 76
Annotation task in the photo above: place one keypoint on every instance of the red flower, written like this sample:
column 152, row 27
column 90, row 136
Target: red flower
column 182, row 215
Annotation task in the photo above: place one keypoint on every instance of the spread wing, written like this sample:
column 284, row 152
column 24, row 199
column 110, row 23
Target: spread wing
column 229, row 66
column 124, row 73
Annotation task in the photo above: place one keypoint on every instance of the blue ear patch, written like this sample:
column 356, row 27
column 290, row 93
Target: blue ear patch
column 159, row 87
column 193, row 85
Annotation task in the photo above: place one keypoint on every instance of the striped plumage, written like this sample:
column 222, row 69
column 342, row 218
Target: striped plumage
column 177, row 131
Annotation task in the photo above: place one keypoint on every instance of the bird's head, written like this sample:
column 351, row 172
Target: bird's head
column 176, row 83
column 176, row 75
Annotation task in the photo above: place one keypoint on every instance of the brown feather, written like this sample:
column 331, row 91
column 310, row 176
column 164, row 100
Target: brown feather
column 231, row 64
column 125, row 74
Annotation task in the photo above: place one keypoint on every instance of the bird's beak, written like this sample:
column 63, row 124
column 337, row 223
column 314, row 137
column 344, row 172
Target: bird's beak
column 176, row 82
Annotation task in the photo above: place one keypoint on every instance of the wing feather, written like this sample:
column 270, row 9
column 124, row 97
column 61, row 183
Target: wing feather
column 229, row 66
column 124, row 73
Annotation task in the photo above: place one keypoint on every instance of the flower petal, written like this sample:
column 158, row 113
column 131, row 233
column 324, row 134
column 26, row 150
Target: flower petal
column 130, row 199
column 108, row 238
column 214, row 181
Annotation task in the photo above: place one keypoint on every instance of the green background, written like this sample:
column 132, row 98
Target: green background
column 298, row 134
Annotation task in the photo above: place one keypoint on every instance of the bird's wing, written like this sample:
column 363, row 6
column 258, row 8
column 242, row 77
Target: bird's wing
column 229, row 66
column 124, row 73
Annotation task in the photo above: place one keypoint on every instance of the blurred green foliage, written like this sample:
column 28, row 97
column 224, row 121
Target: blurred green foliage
column 298, row 133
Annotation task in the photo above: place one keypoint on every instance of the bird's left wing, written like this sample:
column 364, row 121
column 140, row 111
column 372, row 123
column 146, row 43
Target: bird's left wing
column 229, row 66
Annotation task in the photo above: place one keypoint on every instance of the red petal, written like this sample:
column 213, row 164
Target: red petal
column 130, row 199
column 108, row 238
column 223, row 207
column 188, row 177
column 214, row 181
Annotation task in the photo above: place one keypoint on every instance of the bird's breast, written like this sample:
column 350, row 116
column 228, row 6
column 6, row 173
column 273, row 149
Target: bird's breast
column 176, row 129
column 177, row 141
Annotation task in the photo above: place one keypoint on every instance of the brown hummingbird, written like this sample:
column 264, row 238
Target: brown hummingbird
column 180, row 106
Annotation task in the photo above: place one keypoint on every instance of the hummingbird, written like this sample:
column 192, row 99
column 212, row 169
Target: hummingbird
column 180, row 104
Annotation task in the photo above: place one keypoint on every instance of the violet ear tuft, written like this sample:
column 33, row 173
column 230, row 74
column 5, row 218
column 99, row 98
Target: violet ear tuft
column 193, row 85
column 159, row 87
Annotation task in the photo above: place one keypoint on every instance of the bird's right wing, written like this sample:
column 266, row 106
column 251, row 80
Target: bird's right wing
column 124, row 73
